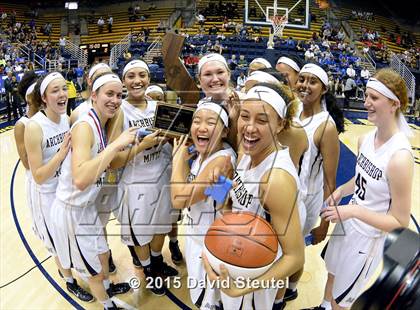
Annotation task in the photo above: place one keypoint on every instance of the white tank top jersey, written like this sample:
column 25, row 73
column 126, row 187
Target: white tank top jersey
column 66, row 191
column 52, row 137
column 371, row 189
column 84, row 108
column 147, row 165
column 245, row 197
column 311, row 170
column 304, row 178
column 203, row 213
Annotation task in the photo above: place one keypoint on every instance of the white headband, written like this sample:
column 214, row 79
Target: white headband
column 105, row 79
column 96, row 68
column 262, row 77
column 269, row 96
column 215, row 108
column 211, row 57
column 290, row 62
column 48, row 79
column 261, row 61
column 153, row 88
column 29, row 90
column 316, row 70
column 137, row 63
column 384, row 90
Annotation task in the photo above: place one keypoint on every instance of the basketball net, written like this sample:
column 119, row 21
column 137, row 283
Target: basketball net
column 278, row 22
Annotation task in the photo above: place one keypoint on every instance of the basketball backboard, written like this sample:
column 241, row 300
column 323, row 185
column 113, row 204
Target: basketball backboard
column 259, row 12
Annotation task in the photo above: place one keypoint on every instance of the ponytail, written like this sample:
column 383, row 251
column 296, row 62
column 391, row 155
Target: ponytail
column 335, row 112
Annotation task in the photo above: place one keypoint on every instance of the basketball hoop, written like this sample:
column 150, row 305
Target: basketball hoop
column 278, row 22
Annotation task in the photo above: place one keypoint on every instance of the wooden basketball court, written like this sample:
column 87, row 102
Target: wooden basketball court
column 29, row 279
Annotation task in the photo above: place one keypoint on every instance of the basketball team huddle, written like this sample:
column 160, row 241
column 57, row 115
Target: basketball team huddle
column 276, row 141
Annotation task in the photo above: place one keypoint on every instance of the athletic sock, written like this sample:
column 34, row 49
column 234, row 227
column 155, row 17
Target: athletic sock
column 278, row 301
column 69, row 279
column 106, row 283
column 145, row 263
column 292, row 286
column 107, row 303
column 173, row 239
column 326, row 304
column 155, row 254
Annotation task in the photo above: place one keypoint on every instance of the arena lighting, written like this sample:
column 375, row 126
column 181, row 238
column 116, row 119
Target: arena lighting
column 71, row 5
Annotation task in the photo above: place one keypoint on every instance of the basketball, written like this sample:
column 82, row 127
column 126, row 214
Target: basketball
column 235, row 239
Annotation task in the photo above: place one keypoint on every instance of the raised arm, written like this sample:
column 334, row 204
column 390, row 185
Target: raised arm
column 115, row 128
column 85, row 169
column 185, row 194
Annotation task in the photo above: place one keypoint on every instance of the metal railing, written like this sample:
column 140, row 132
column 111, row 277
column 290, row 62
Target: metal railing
column 370, row 60
column 119, row 49
column 34, row 57
column 76, row 53
column 406, row 74
column 154, row 49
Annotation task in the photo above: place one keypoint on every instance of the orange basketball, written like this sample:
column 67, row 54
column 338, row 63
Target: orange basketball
column 244, row 242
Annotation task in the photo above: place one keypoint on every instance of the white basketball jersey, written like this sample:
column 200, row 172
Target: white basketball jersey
column 203, row 213
column 311, row 170
column 246, row 195
column 371, row 189
column 303, row 173
column 52, row 137
column 66, row 191
column 84, row 108
column 149, row 164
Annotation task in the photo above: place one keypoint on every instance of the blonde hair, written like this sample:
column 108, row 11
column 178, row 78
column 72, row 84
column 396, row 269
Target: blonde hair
column 395, row 83
column 292, row 104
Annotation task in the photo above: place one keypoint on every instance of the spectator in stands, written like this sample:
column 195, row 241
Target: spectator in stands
column 290, row 43
column 365, row 75
column 325, row 43
column 130, row 10
column 338, row 86
column 232, row 62
column 309, row 55
column 110, row 22
column 350, row 72
column 240, row 81
column 217, row 47
column 299, row 46
column 12, row 97
column 341, row 35
column 341, row 45
column 242, row 63
column 127, row 55
column 72, row 93
column 101, row 24
column 137, row 9
column 191, row 62
column 79, row 77
column 349, row 91
column 62, row 43
column 213, row 30
column 201, row 19
column 162, row 25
